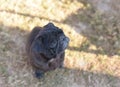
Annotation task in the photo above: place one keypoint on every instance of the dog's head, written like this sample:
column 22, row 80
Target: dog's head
column 51, row 41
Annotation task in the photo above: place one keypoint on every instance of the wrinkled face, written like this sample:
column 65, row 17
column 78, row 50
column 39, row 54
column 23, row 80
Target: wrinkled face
column 53, row 42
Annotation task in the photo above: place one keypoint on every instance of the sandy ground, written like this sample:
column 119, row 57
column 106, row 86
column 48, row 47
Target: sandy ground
column 93, row 56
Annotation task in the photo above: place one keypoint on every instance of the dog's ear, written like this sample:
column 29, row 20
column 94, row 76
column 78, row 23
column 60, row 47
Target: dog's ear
column 37, row 45
column 49, row 25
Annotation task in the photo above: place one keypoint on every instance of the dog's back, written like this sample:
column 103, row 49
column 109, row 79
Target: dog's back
column 31, row 37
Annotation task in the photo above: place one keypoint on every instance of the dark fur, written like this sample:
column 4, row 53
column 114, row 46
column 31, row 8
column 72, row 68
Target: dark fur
column 46, row 48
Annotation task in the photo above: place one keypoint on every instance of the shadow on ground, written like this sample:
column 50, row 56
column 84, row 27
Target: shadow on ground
column 101, row 30
column 76, row 78
column 15, row 70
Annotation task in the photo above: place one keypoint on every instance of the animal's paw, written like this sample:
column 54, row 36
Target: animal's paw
column 61, row 66
column 39, row 74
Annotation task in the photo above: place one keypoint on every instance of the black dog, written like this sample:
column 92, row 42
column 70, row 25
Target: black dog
column 46, row 48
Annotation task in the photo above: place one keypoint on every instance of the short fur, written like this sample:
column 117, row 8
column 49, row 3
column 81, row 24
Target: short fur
column 46, row 48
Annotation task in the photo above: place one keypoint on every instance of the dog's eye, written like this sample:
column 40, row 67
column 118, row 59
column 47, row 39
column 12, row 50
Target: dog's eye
column 53, row 44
